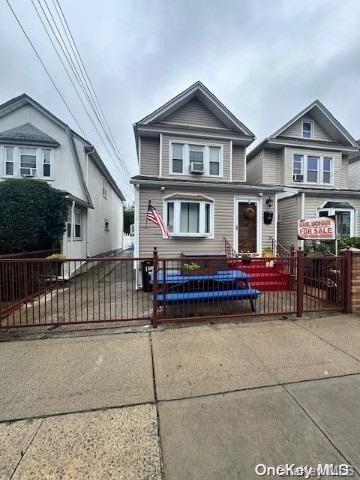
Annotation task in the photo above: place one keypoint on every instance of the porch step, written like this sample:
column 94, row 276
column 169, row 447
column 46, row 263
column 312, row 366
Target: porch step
column 271, row 285
column 263, row 276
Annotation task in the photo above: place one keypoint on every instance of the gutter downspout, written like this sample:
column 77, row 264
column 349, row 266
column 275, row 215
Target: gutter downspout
column 87, row 211
column 72, row 227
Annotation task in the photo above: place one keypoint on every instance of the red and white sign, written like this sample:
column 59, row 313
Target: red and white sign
column 322, row 228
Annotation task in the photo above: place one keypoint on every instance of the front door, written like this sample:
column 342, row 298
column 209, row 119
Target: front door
column 247, row 222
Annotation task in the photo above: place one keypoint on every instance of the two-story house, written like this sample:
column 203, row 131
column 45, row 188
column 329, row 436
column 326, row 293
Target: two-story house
column 36, row 144
column 191, row 154
column 309, row 157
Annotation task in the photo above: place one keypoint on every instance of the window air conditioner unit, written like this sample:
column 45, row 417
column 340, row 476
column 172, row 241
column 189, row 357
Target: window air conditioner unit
column 298, row 178
column 197, row 167
column 28, row 172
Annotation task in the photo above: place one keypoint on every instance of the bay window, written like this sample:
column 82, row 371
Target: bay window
column 312, row 169
column 189, row 217
column 182, row 155
column 344, row 220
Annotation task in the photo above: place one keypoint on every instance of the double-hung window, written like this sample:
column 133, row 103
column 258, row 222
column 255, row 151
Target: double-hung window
column 76, row 229
column 214, row 161
column 189, row 218
column 307, row 129
column 28, row 161
column 9, row 161
column 312, row 169
column 177, row 158
column 46, row 163
column 326, row 170
column 187, row 158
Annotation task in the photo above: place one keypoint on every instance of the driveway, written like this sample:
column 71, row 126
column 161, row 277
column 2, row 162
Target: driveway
column 202, row 402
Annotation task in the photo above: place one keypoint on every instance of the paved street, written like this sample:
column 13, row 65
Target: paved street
column 202, row 402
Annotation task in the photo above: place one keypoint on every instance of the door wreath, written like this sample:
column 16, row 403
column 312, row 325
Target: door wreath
column 249, row 213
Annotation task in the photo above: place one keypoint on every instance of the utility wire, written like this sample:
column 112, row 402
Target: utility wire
column 61, row 42
column 44, row 66
column 84, row 79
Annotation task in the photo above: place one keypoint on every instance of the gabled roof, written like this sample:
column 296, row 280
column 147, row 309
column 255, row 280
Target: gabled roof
column 29, row 130
column 321, row 115
column 29, row 134
column 202, row 93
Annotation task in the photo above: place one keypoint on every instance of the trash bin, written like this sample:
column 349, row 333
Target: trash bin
column 146, row 268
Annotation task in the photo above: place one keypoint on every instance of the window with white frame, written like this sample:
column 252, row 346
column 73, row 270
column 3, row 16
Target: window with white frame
column 28, row 161
column 208, row 158
column 312, row 169
column 344, row 220
column 307, row 129
column 76, row 229
column 9, row 161
column 189, row 217
column 46, row 162
column 177, row 158
column 22, row 161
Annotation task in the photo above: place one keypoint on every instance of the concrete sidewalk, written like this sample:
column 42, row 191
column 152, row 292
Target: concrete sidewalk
column 197, row 402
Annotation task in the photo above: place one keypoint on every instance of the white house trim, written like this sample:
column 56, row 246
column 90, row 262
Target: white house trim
column 231, row 160
column 160, row 155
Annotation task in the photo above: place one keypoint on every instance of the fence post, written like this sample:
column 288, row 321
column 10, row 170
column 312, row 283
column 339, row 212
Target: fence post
column 292, row 266
column 300, row 284
column 154, row 320
column 347, row 272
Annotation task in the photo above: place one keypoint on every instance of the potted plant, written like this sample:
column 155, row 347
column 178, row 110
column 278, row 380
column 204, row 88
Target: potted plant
column 56, row 260
column 191, row 268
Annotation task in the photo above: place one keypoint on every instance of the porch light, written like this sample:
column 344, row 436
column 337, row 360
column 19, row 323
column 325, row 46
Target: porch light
column 269, row 202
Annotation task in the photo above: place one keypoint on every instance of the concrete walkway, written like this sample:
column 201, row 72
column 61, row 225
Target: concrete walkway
column 202, row 402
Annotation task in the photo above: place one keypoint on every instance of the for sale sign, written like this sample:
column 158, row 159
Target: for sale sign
column 322, row 228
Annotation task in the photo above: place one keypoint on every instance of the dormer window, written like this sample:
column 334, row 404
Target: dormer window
column 307, row 129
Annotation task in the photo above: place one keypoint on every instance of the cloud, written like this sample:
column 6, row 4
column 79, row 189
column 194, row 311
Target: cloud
column 265, row 60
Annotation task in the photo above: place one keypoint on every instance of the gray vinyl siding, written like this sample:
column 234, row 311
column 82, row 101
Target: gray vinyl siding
column 196, row 114
column 289, row 213
column 295, row 130
column 340, row 177
column 150, row 156
column 167, row 139
column 150, row 235
column 314, row 203
column 354, row 175
column 254, row 169
column 238, row 163
column 272, row 167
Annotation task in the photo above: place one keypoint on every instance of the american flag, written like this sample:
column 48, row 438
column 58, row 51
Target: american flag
column 153, row 216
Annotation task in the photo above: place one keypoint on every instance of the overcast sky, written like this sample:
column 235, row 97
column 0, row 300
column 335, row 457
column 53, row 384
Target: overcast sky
column 264, row 59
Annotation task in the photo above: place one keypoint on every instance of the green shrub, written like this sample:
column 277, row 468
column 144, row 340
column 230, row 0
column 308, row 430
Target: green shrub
column 32, row 215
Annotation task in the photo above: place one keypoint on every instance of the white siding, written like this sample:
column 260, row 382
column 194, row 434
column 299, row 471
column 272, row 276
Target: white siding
column 354, row 175
column 238, row 163
column 272, row 167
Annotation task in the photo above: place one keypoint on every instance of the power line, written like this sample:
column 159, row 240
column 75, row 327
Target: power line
column 44, row 66
column 65, row 51
column 84, row 79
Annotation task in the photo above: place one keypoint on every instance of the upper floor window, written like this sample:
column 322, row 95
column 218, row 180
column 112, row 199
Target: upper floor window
column 312, row 169
column 307, row 129
column 26, row 162
column 196, row 158
column 189, row 217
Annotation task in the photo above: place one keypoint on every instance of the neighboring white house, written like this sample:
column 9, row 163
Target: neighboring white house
column 35, row 143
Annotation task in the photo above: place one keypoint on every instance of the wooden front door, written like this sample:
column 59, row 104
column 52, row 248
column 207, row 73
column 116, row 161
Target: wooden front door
column 247, row 222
